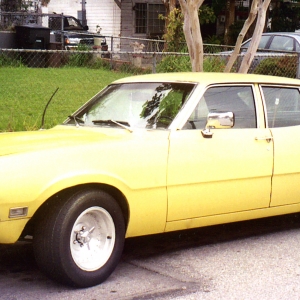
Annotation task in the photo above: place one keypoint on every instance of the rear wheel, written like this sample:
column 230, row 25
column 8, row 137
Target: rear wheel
column 80, row 241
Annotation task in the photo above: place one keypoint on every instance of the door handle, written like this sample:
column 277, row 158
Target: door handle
column 264, row 138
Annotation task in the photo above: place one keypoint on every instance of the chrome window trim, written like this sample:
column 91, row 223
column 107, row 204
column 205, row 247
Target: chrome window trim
column 261, row 85
column 200, row 91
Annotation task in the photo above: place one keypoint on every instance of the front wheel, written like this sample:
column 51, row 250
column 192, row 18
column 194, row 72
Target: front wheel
column 80, row 240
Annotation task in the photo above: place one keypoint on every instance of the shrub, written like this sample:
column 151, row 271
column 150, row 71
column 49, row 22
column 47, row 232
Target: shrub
column 174, row 64
column 213, row 64
column 182, row 64
column 129, row 68
column 7, row 61
column 99, row 63
column 80, row 59
column 285, row 66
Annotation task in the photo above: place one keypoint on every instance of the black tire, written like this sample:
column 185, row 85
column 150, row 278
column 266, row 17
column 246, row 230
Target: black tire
column 75, row 255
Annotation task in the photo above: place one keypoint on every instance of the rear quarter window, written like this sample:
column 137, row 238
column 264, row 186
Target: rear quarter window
column 282, row 106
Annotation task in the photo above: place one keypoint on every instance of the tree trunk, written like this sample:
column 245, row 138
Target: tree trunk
column 229, row 20
column 247, row 24
column 260, row 23
column 169, row 6
column 191, row 29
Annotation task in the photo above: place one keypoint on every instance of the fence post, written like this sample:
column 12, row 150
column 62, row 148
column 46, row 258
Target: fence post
column 298, row 65
column 62, row 33
column 154, row 63
column 111, row 50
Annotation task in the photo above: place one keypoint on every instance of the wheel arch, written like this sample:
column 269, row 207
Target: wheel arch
column 67, row 192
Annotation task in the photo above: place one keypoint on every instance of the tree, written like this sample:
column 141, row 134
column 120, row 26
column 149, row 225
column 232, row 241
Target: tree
column 169, row 5
column 229, row 20
column 285, row 16
column 174, row 36
column 247, row 24
column 18, row 5
column 260, row 23
column 11, row 5
column 194, row 41
column 192, row 33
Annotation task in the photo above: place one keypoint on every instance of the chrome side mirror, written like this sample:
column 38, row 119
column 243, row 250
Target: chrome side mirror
column 218, row 120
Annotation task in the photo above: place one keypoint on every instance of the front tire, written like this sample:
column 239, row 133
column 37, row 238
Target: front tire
column 79, row 241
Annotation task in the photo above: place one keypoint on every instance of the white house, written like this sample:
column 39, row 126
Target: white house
column 118, row 18
column 103, row 13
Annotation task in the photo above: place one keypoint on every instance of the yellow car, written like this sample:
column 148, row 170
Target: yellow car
column 150, row 154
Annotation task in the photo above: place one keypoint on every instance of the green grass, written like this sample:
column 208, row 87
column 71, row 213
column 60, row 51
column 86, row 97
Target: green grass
column 24, row 93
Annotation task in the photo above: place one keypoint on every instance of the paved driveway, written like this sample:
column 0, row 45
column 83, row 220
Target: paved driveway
column 248, row 260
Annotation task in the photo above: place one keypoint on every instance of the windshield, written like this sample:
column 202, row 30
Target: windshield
column 71, row 23
column 136, row 105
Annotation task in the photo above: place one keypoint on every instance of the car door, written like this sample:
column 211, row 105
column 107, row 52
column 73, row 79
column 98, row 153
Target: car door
column 283, row 118
column 230, row 172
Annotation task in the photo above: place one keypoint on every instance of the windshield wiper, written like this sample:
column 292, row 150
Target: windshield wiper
column 122, row 124
column 76, row 120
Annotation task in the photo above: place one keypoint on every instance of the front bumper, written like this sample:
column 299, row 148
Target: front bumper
column 10, row 231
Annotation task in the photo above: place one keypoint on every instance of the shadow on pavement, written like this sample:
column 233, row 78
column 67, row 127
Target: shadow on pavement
column 156, row 244
column 19, row 257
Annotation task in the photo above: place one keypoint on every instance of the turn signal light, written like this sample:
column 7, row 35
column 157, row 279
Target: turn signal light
column 17, row 212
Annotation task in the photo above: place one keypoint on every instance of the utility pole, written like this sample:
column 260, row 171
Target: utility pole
column 83, row 11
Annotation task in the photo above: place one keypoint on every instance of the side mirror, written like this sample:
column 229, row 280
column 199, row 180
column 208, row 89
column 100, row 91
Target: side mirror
column 86, row 28
column 218, row 120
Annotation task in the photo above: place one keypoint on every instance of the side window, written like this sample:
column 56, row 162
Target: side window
column 236, row 99
column 282, row 43
column 283, row 106
column 262, row 44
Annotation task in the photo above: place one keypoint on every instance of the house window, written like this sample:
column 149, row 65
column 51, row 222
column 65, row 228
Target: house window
column 147, row 19
column 140, row 17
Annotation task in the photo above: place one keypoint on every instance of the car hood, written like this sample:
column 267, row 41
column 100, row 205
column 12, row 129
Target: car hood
column 58, row 137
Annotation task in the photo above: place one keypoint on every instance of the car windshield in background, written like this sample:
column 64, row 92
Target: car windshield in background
column 135, row 105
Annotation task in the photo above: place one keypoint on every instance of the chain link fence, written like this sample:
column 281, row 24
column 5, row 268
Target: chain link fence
column 280, row 64
column 33, row 66
column 28, row 78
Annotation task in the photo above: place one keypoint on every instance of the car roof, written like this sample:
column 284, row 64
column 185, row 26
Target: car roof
column 282, row 33
column 60, row 15
column 296, row 35
column 208, row 78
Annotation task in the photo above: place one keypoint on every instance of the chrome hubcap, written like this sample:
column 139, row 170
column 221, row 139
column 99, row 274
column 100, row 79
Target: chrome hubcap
column 92, row 238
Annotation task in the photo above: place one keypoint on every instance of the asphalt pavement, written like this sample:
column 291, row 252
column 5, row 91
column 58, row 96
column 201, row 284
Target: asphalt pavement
column 257, row 259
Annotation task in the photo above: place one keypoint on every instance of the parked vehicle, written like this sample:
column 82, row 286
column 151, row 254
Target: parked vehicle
column 272, row 45
column 150, row 154
column 277, row 41
column 74, row 32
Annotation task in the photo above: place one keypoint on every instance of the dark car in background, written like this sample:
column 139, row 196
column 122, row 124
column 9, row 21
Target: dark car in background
column 73, row 32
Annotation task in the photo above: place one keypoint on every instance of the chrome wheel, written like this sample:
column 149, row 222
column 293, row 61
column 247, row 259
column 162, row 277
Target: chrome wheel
column 92, row 238
column 80, row 237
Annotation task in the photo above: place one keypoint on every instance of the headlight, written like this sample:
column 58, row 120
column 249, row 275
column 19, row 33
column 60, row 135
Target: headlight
column 72, row 40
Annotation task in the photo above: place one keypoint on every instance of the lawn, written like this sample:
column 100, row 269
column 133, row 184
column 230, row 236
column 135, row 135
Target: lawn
column 26, row 91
